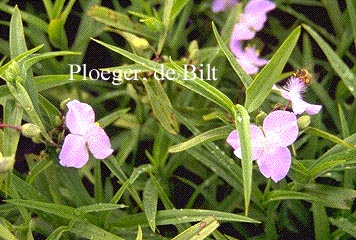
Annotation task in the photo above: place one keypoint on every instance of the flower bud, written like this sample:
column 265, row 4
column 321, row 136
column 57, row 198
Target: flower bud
column 140, row 43
column 193, row 49
column 63, row 104
column 30, row 130
column 303, row 121
column 6, row 163
column 260, row 117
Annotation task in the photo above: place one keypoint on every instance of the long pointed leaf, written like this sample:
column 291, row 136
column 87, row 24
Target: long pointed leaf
column 345, row 73
column 262, row 85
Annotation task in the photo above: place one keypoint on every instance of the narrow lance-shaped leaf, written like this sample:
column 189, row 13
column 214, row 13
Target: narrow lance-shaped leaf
column 262, row 85
column 345, row 73
column 211, row 135
column 150, row 200
column 242, row 122
column 200, row 230
column 161, row 105
column 245, row 78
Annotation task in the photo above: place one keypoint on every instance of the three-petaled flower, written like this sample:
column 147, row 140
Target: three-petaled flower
column 293, row 91
column 269, row 147
column 80, row 120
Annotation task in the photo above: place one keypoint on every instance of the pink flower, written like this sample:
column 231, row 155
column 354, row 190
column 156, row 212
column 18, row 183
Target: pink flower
column 222, row 5
column 293, row 91
column 248, row 58
column 252, row 19
column 269, row 147
column 84, row 133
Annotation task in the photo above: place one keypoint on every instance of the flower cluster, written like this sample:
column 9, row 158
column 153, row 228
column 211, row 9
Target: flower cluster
column 279, row 130
column 80, row 121
column 251, row 21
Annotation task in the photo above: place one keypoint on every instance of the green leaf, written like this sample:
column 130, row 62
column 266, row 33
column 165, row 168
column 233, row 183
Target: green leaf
column 321, row 222
column 51, row 208
column 166, row 21
column 30, row 61
column 345, row 225
column 57, row 34
column 277, row 195
column 17, row 36
column 208, row 136
column 261, row 86
column 335, row 197
column 139, row 233
column 21, row 95
column 351, row 8
column 345, row 73
column 5, row 233
column 150, row 200
column 19, row 58
column 99, row 207
column 118, row 20
column 12, row 116
column 161, row 105
column 245, row 78
column 328, row 136
column 332, row 160
column 200, row 230
column 90, row 231
column 112, row 117
column 192, row 82
column 242, row 123
column 176, row 216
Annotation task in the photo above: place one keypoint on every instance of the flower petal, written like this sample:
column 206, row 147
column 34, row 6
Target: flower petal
column 259, row 6
column 74, row 152
column 253, row 55
column 222, row 5
column 257, row 142
column 99, row 142
column 274, row 162
column 298, row 105
column 80, row 117
column 242, row 31
column 280, row 127
column 313, row 109
column 255, row 14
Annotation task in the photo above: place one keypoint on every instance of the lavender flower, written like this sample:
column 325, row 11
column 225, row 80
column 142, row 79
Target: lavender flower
column 248, row 58
column 222, row 5
column 293, row 91
column 252, row 19
column 269, row 147
column 84, row 131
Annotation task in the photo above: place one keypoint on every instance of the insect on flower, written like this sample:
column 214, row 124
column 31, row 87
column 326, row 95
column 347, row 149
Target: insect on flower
column 303, row 75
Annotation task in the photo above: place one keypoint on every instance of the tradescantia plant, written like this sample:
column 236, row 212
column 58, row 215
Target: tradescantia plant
column 159, row 120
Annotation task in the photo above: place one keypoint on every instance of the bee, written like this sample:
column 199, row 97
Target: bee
column 303, row 75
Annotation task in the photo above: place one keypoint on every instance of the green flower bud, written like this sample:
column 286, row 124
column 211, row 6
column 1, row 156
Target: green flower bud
column 6, row 163
column 63, row 104
column 193, row 49
column 57, row 121
column 140, row 43
column 303, row 121
column 30, row 130
column 260, row 117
